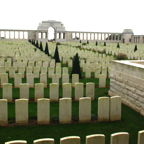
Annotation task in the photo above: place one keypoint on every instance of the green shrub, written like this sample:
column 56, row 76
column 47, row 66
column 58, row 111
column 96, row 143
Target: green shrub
column 93, row 117
column 58, row 43
column 121, row 56
column 54, row 119
column 83, row 43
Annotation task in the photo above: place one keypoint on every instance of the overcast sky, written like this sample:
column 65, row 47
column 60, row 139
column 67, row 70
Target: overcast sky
column 76, row 15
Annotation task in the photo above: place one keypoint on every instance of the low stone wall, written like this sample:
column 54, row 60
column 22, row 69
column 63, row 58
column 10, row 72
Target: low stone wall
column 127, row 81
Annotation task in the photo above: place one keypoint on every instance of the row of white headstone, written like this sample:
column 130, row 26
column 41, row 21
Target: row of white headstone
column 116, row 138
column 51, row 70
column 53, row 91
column 109, row 109
column 43, row 79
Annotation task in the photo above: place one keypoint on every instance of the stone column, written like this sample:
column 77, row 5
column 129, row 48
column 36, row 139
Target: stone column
column 104, row 36
column 101, row 36
column 86, row 36
column 45, row 35
column 55, row 36
column 94, row 36
column 0, row 34
column 4, row 34
column 90, row 36
column 83, row 37
column 19, row 35
column 63, row 35
column 75, row 36
column 23, row 35
column 97, row 36
column 41, row 35
column 111, row 36
column 115, row 37
column 118, row 36
column 59, row 35
column 9, row 34
column 14, row 34
column 108, row 36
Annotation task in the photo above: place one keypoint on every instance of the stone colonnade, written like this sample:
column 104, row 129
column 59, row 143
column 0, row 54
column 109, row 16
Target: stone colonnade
column 44, row 35
column 138, row 39
column 95, row 36
column 14, row 34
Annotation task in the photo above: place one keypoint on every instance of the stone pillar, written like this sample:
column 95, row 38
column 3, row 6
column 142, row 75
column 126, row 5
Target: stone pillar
column 94, row 36
column 118, row 37
column 83, row 37
column 55, row 36
column 115, row 37
column 23, row 35
column 108, row 36
column 111, row 36
column 90, row 36
column 9, row 34
column 18, row 34
column 63, row 35
column 104, row 36
column 86, row 36
column 97, row 36
column 0, row 34
column 59, row 35
column 4, row 34
column 101, row 36
column 14, row 34
column 75, row 36
column 41, row 35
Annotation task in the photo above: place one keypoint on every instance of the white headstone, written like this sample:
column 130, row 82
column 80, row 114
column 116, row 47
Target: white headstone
column 4, row 78
column 95, row 139
column 30, row 80
column 79, row 91
column 17, row 80
column 67, row 90
column 85, row 109
column 24, row 91
column 43, row 79
column 54, row 92
column 90, row 90
column 75, row 79
column 102, row 80
column 39, row 91
column 65, row 110
column 3, row 112
column 7, row 91
column 65, row 78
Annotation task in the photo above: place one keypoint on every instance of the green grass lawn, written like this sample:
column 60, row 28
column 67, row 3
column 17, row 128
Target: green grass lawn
column 131, row 122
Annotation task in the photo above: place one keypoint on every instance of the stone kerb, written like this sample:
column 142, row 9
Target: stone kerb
column 103, row 109
column 54, row 92
column 39, row 91
column 67, row 90
column 120, row 138
column 141, row 137
column 7, row 91
column 102, row 80
column 85, row 109
column 90, row 90
column 43, row 111
column 16, row 142
column 3, row 112
column 21, row 111
column 65, row 110
column 30, row 80
column 4, row 78
column 24, row 91
column 43, row 79
column 115, row 108
column 65, row 78
column 75, row 79
column 17, row 80
column 79, row 91
column 70, row 140
column 44, row 141
column 95, row 139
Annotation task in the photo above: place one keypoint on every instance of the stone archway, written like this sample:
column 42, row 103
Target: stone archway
column 56, row 25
